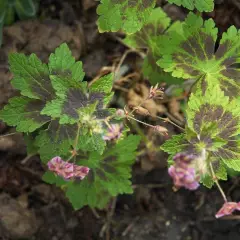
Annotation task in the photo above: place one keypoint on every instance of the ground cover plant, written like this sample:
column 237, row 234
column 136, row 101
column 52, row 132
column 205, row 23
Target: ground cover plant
column 88, row 146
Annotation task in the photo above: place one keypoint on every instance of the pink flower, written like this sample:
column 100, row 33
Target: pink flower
column 227, row 209
column 61, row 168
column 182, row 173
column 114, row 132
column 67, row 170
column 80, row 172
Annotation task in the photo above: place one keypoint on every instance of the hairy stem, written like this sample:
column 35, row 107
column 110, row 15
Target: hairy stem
column 217, row 183
column 74, row 151
column 170, row 121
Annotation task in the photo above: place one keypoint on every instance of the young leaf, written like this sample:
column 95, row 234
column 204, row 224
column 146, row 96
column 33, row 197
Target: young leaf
column 75, row 105
column 200, row 5
column 24, row 114
column 109, row 175
column 149, row 37
column 192, row 55
column 127, row 15
column 91, row 143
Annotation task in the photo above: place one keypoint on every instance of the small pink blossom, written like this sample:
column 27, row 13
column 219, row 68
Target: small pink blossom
column 227, row 209
column 114, row 132
column 67, row 170
column 61, row 168
column 182, row 173
column 80, row 172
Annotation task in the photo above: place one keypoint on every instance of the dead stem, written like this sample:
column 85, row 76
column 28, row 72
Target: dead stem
column 9, row 134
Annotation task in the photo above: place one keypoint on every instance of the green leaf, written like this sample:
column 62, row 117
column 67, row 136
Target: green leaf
column 32, row 149
column 24, row 113
column 91, row 142
column 177, row 143
column 103, row 84
column 215, row 120
column 31, row 76
column 207, row 181
column 109, row 175
column 57, row 140
column 9, row 15
column 76, row 105
column 191, row 55
column 220, row 172
column 63, row 65
column 200, row 5
column 25, row 8
column 127, row 15
column 149, row 37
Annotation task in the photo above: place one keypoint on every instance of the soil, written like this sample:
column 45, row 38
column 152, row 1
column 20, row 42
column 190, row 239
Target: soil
column 31, row 209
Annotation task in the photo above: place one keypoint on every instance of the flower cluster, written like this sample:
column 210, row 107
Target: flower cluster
column 227, row 209
column 67, row 170
column 183, row 173
column 114, row 132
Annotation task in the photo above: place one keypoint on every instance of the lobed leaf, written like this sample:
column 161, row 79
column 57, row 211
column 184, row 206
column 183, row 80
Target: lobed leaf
column 57, row 140
column 24, row 114
column 109, row 175
column 127, row 15
column 150, row 37
column 75, row 105
column 31, row 76
column 215, row 120
column 200, row 5
column 191, row 54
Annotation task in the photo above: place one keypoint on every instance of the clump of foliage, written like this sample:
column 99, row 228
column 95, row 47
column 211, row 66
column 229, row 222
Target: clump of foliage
column 59, row 110
column 9, row 8
column 61, row 115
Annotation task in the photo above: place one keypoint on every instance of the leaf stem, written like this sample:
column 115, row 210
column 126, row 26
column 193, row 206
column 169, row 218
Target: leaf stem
column 215, row 179
column 170, row 121
column 74, row 151
column 147, row 124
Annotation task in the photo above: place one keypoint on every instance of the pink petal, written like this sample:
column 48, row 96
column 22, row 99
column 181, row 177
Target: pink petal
column 227, row 209
column 80, row 171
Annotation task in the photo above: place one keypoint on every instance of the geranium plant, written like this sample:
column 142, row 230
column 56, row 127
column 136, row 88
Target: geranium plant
column 86, row 145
